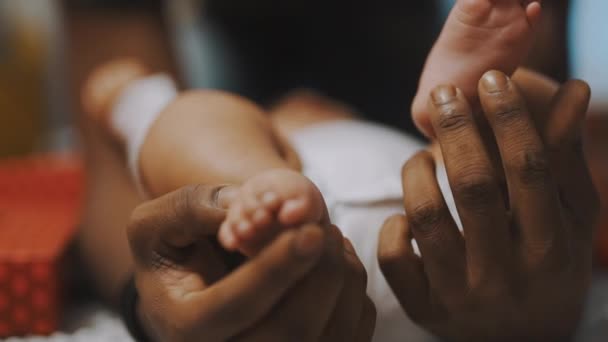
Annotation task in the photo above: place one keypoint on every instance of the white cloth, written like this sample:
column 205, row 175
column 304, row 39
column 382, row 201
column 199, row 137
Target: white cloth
column 357, row 167
column 88, row 323
column 136, row 109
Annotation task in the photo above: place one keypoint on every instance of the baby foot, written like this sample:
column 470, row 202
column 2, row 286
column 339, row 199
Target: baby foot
column 104, row 86
column 479, row 35
column 267, row 204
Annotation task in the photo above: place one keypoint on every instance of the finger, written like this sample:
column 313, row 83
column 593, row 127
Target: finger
column 568, row 109
column 440, row 242
column 252, row 291
column 559, row 113
column 178, row 219
column 564, row 141
column 533, row 10
column 538, row 92
column 305, row 311
column 403, row 269
column 534, row 200
column 366, row 326
column 350, row 305
column 471, row 175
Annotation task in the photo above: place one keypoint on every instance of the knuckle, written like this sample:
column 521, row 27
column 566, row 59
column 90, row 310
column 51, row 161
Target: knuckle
column 452, row 117
column 426, row 217
column 475, row 190
column 507, row 108
column 493, row 294
column 545, row 256
column 531, row 168
column 489, row 284
column 194, row 203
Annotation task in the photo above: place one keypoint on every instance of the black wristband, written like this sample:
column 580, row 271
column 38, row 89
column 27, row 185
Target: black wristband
column 128, row 308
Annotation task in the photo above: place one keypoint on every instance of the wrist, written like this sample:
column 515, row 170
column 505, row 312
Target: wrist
column 132, row 313
column 144, row 323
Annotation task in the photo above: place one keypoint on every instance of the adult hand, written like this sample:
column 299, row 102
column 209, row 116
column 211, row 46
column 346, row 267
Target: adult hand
column 522, row 267
column 308, row 285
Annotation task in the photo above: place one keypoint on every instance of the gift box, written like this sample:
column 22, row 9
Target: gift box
column 40, row 201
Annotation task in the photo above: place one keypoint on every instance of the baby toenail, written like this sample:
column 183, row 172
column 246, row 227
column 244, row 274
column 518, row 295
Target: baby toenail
column 269, row 198
column 495, row 81
column 443, row 94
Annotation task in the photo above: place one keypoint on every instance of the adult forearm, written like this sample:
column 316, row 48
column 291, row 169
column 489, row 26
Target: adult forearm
column 111, row 197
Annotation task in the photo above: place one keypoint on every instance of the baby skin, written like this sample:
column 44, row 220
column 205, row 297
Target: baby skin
column 479, row 35
column 268, row 203
column 270, row 195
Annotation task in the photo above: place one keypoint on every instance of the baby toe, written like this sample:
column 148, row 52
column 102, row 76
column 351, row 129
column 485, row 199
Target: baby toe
column 251, row 203
column 270, row 200
column 226, row 236
column 294, row 211
column 236, row 212
column 261, row 217
column 244, row 229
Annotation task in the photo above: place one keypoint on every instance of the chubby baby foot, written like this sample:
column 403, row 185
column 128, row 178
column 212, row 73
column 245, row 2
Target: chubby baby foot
column 479, row 35
column 105, row 85
column 265, row 205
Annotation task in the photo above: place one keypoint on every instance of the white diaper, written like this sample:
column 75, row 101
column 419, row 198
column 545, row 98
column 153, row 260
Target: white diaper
column 357, row 167
column 134, row 113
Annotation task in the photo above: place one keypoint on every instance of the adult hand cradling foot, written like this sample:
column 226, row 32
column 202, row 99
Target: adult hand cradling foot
column 307, row 283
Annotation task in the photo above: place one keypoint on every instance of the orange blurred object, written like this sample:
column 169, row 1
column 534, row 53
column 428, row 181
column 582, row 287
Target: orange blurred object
column 24, row 49
column 40, row 201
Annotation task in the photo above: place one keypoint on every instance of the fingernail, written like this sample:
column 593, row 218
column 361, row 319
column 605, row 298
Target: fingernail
column 495, row 81
column 309, row 241
column 225, row 195
column 443, row 94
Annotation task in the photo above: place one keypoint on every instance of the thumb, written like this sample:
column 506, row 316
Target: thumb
column 178, row 219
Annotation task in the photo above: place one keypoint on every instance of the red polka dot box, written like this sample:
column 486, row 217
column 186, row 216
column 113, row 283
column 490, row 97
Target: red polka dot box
column 39, row 207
